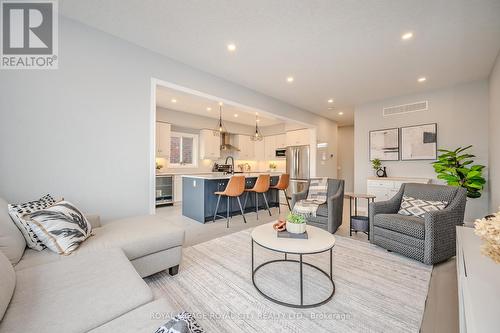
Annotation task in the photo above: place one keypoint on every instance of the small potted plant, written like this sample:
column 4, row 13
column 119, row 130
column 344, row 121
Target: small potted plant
column 295, row 223
column 273, row 166
column 379, row 170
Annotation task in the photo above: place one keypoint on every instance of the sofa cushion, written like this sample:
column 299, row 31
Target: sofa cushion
column 136, row 236
column 408, row 225
column 17, row 211
column 61, row 227
column 12, row 242
column 33, row 258
column 8, row 279
column 75, row 294
column 145, row 319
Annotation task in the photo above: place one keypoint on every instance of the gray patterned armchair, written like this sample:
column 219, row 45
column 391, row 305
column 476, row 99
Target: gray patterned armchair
column 429, row 239
column 329, row 214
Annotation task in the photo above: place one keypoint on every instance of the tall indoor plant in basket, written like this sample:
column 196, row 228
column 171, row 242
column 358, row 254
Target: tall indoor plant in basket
column 456, row 168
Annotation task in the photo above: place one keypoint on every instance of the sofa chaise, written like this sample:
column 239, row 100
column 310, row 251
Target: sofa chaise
column 97, row 288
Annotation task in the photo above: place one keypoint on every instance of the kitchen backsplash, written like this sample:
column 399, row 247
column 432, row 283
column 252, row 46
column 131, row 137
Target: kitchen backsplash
column 206, row 166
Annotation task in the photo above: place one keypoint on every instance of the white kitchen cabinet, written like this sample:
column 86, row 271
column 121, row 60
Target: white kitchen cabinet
column 209, row 145
column 162, row 140
column 270, row 147
column 281, row 141
column 260, row 150
column 177, row 188
column 385, row 188
column 246, row 147
column 298, row 137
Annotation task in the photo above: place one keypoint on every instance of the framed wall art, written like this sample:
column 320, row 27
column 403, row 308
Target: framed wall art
column 419, row 142
column 384, row 144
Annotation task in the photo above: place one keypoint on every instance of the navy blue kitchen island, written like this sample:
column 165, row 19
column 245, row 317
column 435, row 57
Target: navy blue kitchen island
column 199, row 200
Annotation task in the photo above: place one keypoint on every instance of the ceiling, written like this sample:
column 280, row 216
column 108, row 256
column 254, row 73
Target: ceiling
column 198, row 105
column 347, row 50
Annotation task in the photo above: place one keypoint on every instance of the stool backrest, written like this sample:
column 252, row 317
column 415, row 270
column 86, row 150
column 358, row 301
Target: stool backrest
column 262, row 183
column 283, row 182
column 235, row 187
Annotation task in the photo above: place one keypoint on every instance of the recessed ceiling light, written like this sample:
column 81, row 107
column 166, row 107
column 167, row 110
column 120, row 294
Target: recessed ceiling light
column 341, row 113
column 422, row 79
column 231, row 47
column 221, row 104
column 289, row 79
column 407, row 36
column 173, row 100
column 330, row 100
column 209, row 109
column 235, row 115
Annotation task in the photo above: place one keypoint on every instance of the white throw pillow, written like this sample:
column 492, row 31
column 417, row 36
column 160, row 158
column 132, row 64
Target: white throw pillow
column 416, row 207
column 17, row 211
column 61, row 227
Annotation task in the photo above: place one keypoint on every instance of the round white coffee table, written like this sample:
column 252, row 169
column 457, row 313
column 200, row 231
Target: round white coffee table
column 318, row 241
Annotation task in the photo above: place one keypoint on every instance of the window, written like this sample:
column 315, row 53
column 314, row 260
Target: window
column 183, row 150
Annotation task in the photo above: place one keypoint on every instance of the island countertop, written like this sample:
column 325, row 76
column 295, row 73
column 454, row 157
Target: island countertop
column 220, row 176
column 199, row 199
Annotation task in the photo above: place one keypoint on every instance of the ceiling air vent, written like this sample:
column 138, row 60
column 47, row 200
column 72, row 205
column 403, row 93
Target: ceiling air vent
column 406, row 108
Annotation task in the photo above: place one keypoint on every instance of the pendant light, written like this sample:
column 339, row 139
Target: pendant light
column 257, row 135
column 220, row 129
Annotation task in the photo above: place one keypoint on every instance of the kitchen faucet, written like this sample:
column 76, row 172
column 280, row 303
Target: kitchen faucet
column 232, row 163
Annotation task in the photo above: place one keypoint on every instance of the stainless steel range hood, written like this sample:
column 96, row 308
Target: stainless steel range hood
column 225, row 143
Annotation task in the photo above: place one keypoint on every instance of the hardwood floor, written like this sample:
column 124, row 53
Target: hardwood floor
column 441, row 310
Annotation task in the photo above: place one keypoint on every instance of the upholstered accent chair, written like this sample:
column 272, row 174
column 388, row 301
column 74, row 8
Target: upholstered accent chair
column 430, row 238
column 329, row 214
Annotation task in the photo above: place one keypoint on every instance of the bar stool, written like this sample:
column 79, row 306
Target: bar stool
column 261, row 186
column 282, row 185
column 234, row 189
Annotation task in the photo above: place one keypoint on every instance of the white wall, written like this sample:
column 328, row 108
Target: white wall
column 495, row 137
column 461, row 113
column 346, row 156
column 83, row 131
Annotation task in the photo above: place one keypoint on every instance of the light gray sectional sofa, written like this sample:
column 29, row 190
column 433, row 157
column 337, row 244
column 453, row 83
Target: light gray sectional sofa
column 98, row 288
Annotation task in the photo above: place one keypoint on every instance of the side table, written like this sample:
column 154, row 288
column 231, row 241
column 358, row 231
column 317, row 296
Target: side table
column 359, row 222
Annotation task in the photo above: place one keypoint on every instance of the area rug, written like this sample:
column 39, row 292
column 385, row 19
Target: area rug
column 376, row 291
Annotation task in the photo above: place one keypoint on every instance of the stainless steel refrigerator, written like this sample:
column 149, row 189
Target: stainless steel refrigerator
column 297, row 166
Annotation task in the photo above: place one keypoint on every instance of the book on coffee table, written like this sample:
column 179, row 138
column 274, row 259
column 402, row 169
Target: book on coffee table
column 286, row 234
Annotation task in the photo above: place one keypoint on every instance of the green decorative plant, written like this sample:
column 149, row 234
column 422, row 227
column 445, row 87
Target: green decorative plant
column 376, row 164
column 158, row 166
column 456, row 169
column 295, row 218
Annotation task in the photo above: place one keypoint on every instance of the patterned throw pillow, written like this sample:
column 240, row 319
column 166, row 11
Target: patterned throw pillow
column 416, row 207
column 61, row 227
column 17, row 211
column 184, row 322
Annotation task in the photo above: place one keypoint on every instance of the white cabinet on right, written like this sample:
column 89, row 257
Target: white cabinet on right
column 281, row 141
column 298, row 138
column 385, row 188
